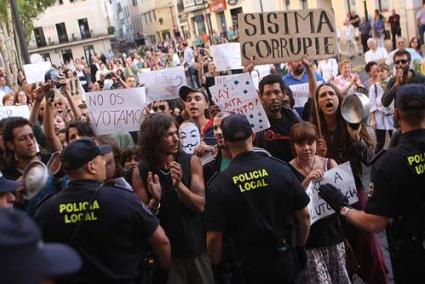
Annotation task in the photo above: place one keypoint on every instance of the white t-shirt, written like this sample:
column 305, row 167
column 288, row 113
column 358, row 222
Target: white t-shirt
column 328, row 68
column 378, row 55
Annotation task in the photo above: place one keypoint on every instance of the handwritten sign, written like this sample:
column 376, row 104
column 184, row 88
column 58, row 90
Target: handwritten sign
column 277, row 37
column 116, row 110
column 301, row 93
column 342, row 178
column 237, row 93
column 35, row 72
column 163, row 84
column 9, row 111
column 227, row 56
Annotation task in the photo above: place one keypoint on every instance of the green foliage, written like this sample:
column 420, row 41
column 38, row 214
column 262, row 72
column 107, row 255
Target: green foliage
column 28, row 11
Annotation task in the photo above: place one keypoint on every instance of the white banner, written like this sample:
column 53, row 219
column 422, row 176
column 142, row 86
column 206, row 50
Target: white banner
column 237, row 93
column 115, row 111
column 342, row 178
column 8, row 111
column 301, row 93
column 163, row 84
column 227, row 56
column 35, row 72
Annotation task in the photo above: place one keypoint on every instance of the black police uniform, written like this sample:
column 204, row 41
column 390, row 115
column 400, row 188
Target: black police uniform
column 250, row 202
column 399, row 193
column 106, row 224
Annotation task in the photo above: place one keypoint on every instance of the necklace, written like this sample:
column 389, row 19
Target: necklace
column 165, row 172
column 303, row 169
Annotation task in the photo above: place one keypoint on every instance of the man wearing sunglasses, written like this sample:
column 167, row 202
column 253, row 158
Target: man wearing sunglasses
column 162, row 106
column 403, row 75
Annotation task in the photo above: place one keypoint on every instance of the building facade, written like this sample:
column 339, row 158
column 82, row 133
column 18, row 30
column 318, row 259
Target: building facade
column 73, row 29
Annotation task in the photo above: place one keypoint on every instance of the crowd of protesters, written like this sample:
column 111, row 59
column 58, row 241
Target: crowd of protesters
column 185, row 231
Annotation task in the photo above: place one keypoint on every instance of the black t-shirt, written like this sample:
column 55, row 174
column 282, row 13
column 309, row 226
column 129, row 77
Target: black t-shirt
column 324, row 232
column 399, row 179
column 357, row 18
column 182, row 225
column 276, row 138
column 112, row 233
column 251, row 202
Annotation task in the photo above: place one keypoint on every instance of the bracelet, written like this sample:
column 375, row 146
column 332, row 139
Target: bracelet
column 344, row 211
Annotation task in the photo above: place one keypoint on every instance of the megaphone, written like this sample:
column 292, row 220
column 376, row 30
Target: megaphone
column 35, row 178
column 355, row 108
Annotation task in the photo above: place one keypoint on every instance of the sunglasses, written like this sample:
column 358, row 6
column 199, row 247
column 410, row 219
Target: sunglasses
column 155, row 108
column 402, row 61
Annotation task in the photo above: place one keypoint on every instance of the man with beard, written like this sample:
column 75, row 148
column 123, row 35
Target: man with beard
column 21, row 150
column 273, row 93
column 297, row 81
column 173, row 187
column 403, row 76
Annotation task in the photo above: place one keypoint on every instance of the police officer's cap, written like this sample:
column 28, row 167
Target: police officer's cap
column 82, row 151
column 410, row 97
column 236, row 127
column 24, row 257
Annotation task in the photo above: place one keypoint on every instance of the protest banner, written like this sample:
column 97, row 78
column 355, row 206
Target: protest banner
column 237, row 93
column 342, row 178
column 276, row 37
column 163, row 84
column 35, row 72
column 114, row 111
column 227, row 56
column 301, row 93
column 8, row 111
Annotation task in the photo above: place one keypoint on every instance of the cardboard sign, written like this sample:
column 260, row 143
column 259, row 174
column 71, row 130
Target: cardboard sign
column 8, row 111
column 342, row 178
column 116, row 110
column 237, row 93
column 227, row 56
column 301, row 93
column 35, row 72
column 163, row 84
column 277, row 37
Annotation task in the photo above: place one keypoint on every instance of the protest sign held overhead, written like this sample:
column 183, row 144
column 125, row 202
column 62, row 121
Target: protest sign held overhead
column 9, row 111
column 163, row 84
column 114, row 111
column 35, row 72
column 340, row 177
column 301, row 93
column 237, row 93
column 227, row 56
column 277, row 37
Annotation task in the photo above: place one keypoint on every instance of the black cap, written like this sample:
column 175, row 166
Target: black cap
column 82, row 151
column 236, row 127
column 24, row 257
column 8, row 185
column 185, row 90
column 410, row 97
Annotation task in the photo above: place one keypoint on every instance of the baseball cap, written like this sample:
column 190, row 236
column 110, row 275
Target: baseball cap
column 8, row 185
column 236, row 127
column 410, row 97
column 185, row 90
column 24, row 257
column 82, row 151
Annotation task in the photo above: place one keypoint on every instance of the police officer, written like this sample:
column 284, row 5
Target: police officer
column 399, row 183
column 107, row 225
column 250, row 203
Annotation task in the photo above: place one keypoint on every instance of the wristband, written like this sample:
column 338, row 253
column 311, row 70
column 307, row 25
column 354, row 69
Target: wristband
column 344, row 211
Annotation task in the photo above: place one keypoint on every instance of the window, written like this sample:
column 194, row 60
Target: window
column 62, row 35
column 304, row 4
column 60, row 2
column 45, row 56
column 83, row 24
column 154, row 15
column 88, row 52
column 150, row 19
column 134, row 2
column 39, row 37
column 67, row 55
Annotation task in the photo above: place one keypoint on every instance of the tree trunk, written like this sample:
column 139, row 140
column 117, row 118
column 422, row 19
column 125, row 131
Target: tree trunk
column 4, row 52
column 12, row 48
